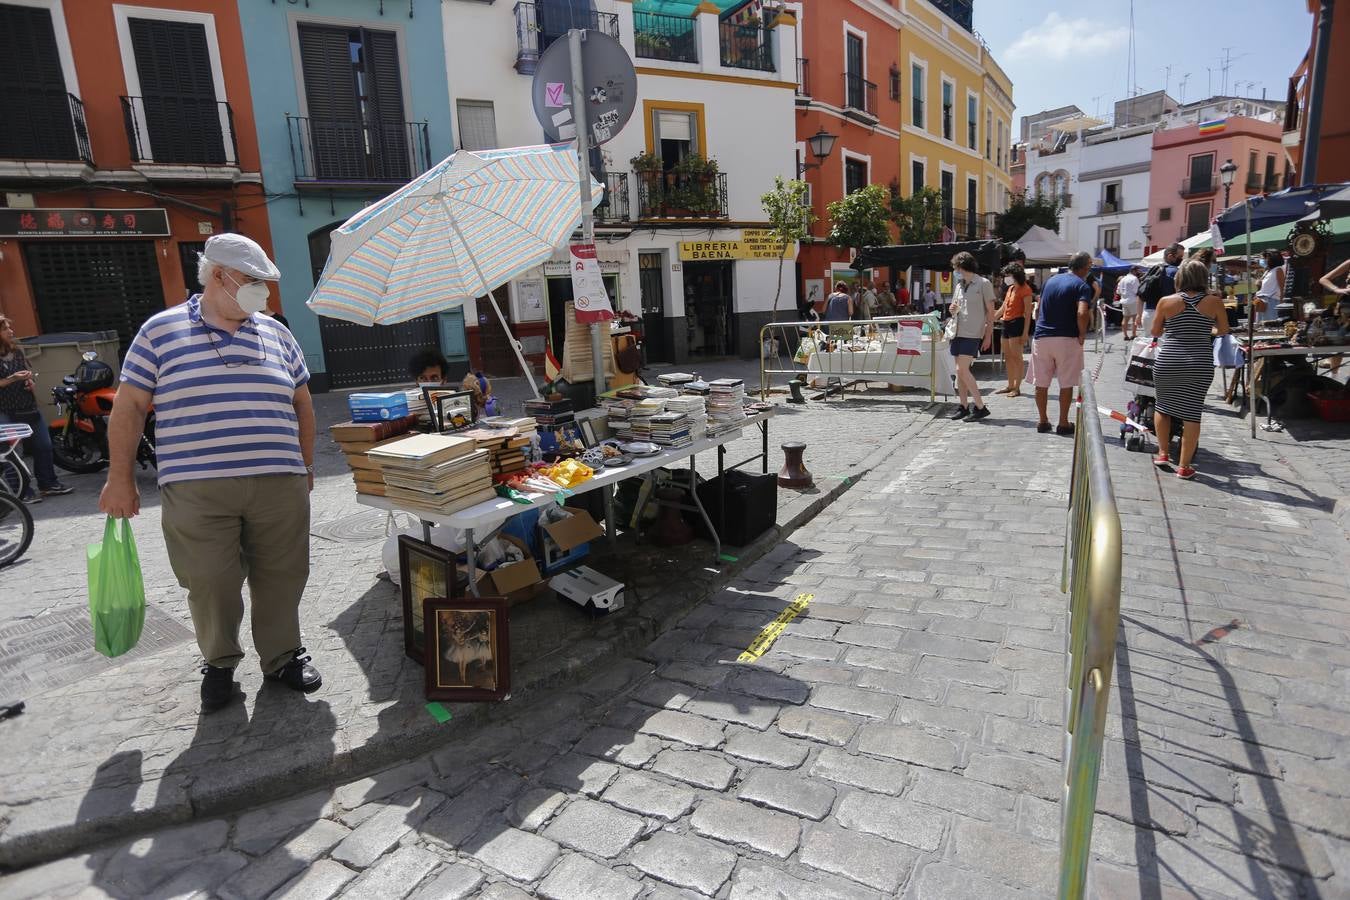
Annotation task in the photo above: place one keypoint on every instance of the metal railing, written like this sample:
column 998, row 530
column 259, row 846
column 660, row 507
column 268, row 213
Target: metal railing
column 1091, row 578
column 537, row 28
column 832, row 352
column 659, row 36
column 1066, row 200
column 356, row 151
column 676, row 195
column 1193, row 186
column 746, row 46
column 860, row 94
column 44, row 124
column 803, row 77
column 1254, row 181
column 188, row 130
column 614, row 207
column 1107, row 207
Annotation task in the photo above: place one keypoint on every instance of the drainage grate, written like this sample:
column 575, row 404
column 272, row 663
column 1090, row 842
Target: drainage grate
column 358, row 528
column 48, row 651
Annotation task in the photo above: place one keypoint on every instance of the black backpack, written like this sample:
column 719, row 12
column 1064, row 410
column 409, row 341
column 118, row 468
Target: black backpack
column 1153, row 286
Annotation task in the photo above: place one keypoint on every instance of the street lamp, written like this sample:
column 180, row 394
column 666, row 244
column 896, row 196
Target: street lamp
column 1227, row 172
column 822, row 145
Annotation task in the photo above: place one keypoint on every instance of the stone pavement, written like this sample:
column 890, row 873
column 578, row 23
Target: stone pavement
column 112, row 747
column 901, row 738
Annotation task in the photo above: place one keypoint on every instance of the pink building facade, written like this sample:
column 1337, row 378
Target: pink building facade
column 1186, row 191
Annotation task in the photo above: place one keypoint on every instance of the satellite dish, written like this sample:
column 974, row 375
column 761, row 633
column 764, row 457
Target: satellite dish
column 610, row 88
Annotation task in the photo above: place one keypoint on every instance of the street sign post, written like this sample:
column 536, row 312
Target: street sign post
column 585, row 89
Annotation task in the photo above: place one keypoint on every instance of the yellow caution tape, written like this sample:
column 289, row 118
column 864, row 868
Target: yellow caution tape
column 764, row 640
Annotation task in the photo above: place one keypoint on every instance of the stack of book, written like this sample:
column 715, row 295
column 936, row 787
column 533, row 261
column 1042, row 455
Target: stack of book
column 670, row 429
column 726, row 404
column 436, row 472
column 355, row 438
column 640, row 418
column 675, row 379
column 617, row 412
column 550, row 413
column 695, row 408
column 505, row 446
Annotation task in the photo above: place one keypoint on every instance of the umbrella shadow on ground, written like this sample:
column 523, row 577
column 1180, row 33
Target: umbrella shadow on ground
column 288, row 736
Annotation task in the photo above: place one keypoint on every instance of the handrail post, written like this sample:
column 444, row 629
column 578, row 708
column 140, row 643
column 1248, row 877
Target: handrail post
column 1091, row 577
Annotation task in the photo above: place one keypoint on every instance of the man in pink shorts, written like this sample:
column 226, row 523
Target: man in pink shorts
column 1062, row 322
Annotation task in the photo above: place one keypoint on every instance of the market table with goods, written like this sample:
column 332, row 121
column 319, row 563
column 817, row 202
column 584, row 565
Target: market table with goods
column 495, row 497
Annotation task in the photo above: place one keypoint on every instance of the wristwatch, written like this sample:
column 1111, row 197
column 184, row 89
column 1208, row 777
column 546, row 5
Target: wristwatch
column 309, row 469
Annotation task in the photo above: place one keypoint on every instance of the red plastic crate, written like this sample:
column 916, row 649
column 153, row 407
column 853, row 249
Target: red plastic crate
column 1330, row 407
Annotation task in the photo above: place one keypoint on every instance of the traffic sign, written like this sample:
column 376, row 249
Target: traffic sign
column 610, row 89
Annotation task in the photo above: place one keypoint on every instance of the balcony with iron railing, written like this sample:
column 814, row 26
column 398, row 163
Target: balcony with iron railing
column 537, row 28
column 675, row 195
column 1066, row 200
column 1108, row 207
column 803, row 78
column 860, row 97
column 163, row 130
column 747, row 46
column 962, row 12
column 668, row 38
column 327, row 152
column 44, row 125
column 966, row 224
column 614, row 208
column 1259, row 184
column 1199, row 185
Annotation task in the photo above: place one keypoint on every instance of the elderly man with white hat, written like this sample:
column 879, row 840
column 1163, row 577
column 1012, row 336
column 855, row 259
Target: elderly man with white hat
column 234, row 433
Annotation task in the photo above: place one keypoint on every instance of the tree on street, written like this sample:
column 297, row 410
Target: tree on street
column 860, row 219
column 790, row 217
column 1025, row 210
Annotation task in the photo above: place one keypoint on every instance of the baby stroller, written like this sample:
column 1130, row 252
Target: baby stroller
column 1139, row 410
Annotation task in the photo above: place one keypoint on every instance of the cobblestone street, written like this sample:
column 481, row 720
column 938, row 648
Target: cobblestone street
column 902, row 738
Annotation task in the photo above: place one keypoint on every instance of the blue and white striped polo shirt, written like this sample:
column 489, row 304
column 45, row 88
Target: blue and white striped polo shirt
column 214, row 420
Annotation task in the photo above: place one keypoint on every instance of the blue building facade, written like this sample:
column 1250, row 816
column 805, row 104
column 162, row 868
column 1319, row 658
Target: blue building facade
column 351, row 102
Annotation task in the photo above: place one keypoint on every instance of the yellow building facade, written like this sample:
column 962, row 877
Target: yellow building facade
column 956, row 119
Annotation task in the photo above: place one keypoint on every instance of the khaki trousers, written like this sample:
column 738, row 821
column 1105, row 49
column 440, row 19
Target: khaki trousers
column 220, row 532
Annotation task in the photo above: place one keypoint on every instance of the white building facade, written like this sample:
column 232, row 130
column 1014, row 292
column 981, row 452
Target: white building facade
column 676, row 241
column 1112, row 190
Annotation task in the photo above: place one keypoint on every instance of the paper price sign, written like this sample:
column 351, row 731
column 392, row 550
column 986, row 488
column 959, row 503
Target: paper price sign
column 909, row 339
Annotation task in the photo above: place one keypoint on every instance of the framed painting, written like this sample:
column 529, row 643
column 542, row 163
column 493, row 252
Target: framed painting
column 425, row 571
column 468, row 649
column 450, row 407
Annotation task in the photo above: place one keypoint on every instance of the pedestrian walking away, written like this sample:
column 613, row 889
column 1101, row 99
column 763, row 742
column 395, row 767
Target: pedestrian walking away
column 235, row 435
column 18, row 405
column 1128, row 288
column 1015, row 315
column 1159, row 282
column 1184, row 367
column 973, row 306
column 1062, row 320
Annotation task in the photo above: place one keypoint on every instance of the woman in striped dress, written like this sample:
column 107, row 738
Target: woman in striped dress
column 1184, row 369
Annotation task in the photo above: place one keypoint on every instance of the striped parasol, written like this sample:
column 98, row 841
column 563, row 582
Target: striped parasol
column 469, row 224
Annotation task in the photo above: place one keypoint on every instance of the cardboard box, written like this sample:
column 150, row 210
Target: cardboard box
column 518, row 581
column 566, row 541
column 588, row 588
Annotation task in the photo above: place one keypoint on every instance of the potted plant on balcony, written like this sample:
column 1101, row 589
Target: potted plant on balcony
column 697, row 179
column 651, row 45
column 651, row 190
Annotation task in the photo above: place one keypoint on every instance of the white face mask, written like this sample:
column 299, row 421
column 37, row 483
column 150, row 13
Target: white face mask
column 251, row 297
column 1008, row 281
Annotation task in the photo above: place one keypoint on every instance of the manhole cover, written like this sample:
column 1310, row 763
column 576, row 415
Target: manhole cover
column 48, row 651
column 358, row 528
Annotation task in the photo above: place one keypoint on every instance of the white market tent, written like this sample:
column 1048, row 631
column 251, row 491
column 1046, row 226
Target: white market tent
column 1044, row 248
column 1190, row 243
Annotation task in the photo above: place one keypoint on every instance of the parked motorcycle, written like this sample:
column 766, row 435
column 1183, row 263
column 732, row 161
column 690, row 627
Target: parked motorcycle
column 80, row 430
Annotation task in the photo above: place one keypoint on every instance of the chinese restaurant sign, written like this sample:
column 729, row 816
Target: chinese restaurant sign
column 84, row 223
column 755, row 243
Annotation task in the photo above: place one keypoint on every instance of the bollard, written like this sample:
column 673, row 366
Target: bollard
column 795, row 387
column 794, row 474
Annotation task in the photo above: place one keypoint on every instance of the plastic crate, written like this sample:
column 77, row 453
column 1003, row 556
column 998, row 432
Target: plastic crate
column 1332, row 408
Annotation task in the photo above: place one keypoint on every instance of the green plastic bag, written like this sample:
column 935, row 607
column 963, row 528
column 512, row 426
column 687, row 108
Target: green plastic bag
column 116, row 590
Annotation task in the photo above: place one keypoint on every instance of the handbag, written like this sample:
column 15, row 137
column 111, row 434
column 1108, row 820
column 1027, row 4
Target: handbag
column 1143, row 355
column 949, row 330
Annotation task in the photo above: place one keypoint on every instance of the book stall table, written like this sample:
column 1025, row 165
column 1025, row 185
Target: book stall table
column 1260, row 351
column 482, row 521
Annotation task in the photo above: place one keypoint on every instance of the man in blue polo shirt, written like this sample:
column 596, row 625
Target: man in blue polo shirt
column 1062, row 319
column 234, row 434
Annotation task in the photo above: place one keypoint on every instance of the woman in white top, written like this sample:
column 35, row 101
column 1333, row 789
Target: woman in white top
column 1272, row 287
column 973, row 307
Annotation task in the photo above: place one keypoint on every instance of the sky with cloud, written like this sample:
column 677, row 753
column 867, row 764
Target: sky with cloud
column 1059, row 53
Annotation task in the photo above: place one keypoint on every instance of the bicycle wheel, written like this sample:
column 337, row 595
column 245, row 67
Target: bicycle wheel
column 14, row 475
column 16, row 528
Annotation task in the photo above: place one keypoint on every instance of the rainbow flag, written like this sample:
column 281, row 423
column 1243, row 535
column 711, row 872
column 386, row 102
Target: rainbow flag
column 1213, row 126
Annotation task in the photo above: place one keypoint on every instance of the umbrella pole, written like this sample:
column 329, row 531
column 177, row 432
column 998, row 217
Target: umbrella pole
column 1251, row 318
column 487, row 291
column 574, row 37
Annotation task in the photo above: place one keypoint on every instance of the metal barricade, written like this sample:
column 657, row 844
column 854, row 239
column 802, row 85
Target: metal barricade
column 792, row 348
column 1091, row 577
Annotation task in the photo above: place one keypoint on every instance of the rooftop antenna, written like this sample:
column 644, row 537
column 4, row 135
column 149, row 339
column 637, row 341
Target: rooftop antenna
column 1181, row 89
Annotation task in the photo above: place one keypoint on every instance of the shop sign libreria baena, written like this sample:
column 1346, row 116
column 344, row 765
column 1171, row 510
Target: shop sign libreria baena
column 754, row 243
